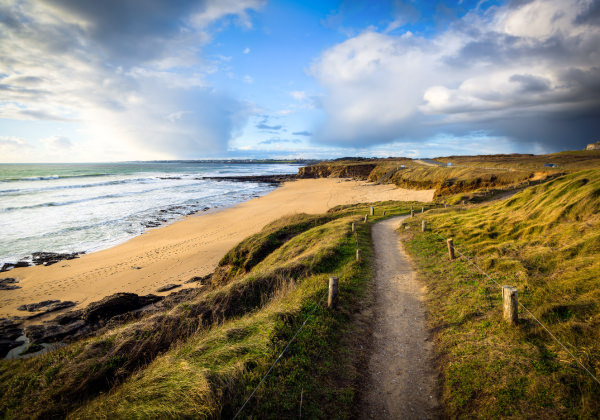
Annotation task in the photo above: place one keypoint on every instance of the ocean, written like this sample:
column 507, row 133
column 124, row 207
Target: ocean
column 70, row 208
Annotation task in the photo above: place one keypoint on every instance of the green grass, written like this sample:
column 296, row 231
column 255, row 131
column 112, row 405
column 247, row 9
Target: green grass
column 570, row 161
column 545, row 241
column 204, row 357
column 471, row 178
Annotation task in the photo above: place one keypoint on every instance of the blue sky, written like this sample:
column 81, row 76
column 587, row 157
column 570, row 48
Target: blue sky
column 157, row 79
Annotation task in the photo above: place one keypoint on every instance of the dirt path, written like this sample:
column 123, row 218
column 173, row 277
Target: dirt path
column 429, row 162
column 403, row 381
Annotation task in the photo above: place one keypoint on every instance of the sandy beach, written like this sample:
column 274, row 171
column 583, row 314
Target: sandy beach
column 187, row 248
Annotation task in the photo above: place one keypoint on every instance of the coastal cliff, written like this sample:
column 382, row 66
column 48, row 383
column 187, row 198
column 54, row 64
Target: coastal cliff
column 344, row 170
column 500, row 173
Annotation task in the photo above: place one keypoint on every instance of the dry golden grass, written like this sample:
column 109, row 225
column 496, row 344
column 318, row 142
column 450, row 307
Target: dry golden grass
column 545, row 241
column 202, row 358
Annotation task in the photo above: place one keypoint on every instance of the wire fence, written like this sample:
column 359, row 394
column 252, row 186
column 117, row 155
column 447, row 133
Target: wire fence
column 319, row 303
column 279, row 357
column 470, row 261
column 289, row 343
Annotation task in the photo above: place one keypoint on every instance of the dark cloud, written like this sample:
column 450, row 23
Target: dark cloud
column 527, row 72
column 530, row 84
column 590, row 16
column 132, row 29
column 302, row 133
column 263, row 126
column 132, row 69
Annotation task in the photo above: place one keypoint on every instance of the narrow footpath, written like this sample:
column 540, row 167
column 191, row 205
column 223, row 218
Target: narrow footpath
column 403, row 381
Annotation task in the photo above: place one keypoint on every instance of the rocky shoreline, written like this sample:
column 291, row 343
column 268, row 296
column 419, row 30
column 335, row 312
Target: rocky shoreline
column 266, row 179
column 41, row 258
column 75, row 324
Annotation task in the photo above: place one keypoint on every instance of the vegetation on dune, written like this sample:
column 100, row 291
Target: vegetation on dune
column 545, row 241
column 472, row 178
column 204, row 357
column 569, row 161
column 456, row 180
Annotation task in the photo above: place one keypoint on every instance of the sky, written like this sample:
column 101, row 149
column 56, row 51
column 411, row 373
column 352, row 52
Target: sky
column 122, row 80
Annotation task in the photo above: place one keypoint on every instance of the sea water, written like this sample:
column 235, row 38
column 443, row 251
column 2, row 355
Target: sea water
column 88, row 207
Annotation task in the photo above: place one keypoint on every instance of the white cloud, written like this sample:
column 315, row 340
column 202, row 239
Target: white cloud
column 246, row 50
column 509, row 71
column 298, row 95
column 57, row 143
column 81, row 62
column 13, row 149
column 216, row 10
column 248, row 79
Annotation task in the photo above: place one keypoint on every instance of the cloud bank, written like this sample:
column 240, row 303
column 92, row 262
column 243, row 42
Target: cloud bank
column 528, row 71
column 131, row 73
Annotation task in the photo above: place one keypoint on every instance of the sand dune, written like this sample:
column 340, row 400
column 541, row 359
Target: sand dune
column 191, row 247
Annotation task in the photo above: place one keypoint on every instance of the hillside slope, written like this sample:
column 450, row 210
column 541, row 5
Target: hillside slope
column 203, row 358
column 545, row 241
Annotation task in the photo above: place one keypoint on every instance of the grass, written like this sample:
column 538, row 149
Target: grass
column 471, row 178
column 570, row 161
column 545, row 241
column 203, row 358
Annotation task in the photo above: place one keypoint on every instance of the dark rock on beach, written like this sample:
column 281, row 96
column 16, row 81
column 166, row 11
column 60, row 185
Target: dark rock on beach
column 168, row 287
column 203, row 280
column 10, row 266
column 79, row 323
column 8, row 284
column 49, row 258
column 116, row 304
column 97, row 316
column 45, row 307
column 49, row 332
column 268, row 179
column 10, row 332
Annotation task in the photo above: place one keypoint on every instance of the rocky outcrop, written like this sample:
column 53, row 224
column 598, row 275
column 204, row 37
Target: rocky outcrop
column 10, row 334
column 49, row 332
column 337, row 170
column 78, row 323
column 45, row 307
column 10, row 266
column 41, row 258
column 267, row 179
column 168, row 287
column 116, row 304
column 49, row 258
column 203, row 280
column 9, row 283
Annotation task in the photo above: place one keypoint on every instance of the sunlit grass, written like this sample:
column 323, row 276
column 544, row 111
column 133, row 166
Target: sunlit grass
column 545, row 242
column 203, row 358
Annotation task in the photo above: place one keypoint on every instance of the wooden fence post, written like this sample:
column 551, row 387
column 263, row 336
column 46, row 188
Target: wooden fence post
column 332, row 300
column 372, row 209
column 510, row 302
column 422, row 210
column 412, row 213
column 366, row 218
column 423, row 226
column 353, row 227
column 451, row 248
column 358, row 255
column 384, row 212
